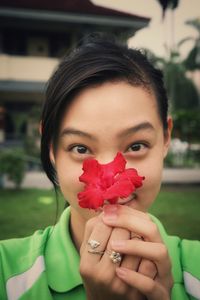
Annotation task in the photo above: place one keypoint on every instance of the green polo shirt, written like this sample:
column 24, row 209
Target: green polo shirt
column 43, row 266
column 46, row 265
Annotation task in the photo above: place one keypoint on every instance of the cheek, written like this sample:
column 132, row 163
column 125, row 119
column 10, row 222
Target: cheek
column 152, row 182
column 68, row 178
column 70, row 186
column 152, row 171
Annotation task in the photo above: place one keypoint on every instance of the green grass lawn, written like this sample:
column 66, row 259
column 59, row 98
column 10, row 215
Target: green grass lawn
column 179, row 210
column 24, row 211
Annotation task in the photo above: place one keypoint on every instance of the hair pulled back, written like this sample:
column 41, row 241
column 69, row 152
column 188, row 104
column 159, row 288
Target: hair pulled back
column 97, row 59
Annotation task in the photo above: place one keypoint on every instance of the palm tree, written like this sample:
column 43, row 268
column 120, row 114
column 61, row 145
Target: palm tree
column 172, row 4
column 181, row 90
column 192, row 62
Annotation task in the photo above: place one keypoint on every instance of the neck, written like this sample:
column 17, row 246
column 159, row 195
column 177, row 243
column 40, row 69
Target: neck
column 77, row 228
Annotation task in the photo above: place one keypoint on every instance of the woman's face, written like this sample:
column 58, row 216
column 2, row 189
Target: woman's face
column 100, row 122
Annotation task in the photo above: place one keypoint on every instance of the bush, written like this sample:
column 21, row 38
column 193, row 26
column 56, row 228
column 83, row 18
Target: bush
column 189, row 159
column 12, row 164
column 187, row 125
column 32, row 139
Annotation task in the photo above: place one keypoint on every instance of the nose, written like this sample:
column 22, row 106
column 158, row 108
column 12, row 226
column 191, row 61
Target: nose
column 106, row 158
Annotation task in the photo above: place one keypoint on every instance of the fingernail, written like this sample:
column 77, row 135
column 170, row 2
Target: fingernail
column 109, row 208
column 110, row 213
column 118, row 243
column 121, row 272
column 110, row 217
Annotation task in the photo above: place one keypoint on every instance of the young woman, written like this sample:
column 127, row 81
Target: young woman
column 103, row 99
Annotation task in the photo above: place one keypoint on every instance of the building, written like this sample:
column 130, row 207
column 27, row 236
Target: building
column 34, row 34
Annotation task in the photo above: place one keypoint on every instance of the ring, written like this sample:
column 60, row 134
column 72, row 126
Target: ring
column 136, row 236
column 114, row 256
column 96, row 251
column 93, row 244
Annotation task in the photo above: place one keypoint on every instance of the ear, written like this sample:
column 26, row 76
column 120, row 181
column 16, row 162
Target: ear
column 167, row 137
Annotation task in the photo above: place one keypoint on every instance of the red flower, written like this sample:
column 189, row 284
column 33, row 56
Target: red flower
column 107, row 182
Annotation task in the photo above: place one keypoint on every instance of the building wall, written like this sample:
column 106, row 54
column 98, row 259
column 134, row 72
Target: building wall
column 31, row 44
column 26, row 68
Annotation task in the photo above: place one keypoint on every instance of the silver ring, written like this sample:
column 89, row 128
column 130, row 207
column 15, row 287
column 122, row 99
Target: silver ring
column 114, row 256
column 93, row 244
column 96, row 251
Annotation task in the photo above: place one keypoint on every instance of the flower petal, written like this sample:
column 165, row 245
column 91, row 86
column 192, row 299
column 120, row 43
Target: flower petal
column 111, row 169
column 92, row 171
column 114, row 167
column 91, row 197
column 132, row 175
column 107, row 182
column 121, row 188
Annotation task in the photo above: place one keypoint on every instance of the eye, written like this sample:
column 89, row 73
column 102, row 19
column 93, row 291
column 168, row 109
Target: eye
column 80, row 149
column 137, row 147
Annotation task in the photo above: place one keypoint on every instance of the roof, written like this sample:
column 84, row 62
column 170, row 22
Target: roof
column 72, row 6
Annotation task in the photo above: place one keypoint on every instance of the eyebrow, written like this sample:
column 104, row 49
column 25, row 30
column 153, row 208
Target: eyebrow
column 139, row 127
column 131, row 130
column 72, row 131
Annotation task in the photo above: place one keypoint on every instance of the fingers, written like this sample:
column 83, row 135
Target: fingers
column 95, row 230
column 148, row 268
column 129, row 261
column 88, row 229
column 127, row 209
column 131, row 220
column 147, row 286
column 145, row 266
column 115, row 234
column 156, row 252
column 100, row 268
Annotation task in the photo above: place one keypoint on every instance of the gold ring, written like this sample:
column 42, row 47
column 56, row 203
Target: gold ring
column 136, row 236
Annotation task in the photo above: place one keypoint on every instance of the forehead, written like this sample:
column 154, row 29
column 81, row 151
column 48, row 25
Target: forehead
column 111, row 104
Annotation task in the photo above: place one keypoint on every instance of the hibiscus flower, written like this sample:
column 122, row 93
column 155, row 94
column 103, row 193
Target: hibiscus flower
column 107, row 182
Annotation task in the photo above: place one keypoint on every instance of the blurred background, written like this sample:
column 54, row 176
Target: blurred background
column 34, row 35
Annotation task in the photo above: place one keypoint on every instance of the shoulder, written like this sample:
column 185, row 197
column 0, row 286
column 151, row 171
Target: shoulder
column 172, row 242
column 20, row 255
column 184, row 256
column 190, row 253
column 23, row 249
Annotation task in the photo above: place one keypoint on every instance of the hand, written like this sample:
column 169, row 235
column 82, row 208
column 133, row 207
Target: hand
column 98, row 271
column 151, row 249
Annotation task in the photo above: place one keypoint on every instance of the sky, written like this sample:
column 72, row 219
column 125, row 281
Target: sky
column 158, row 33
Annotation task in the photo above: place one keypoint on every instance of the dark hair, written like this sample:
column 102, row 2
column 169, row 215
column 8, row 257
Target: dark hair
column 96, row 60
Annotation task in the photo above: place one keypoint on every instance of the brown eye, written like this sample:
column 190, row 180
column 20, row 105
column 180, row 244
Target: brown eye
column 137, row 147
column 80, row 149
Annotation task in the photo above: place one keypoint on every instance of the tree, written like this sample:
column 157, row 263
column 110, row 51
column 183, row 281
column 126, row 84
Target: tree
column 181, row 90
column 192, row 62
column 172, row 4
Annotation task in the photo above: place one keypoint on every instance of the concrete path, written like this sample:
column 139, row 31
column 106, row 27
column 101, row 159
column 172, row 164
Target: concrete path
column 181, row 176
column 170, row 176
column 33, row 179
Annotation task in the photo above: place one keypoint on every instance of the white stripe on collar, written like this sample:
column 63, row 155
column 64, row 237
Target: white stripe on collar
column 19, row 284
column 192, row 285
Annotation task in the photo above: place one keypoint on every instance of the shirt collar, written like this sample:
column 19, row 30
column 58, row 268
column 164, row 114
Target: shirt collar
column 61, row 257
